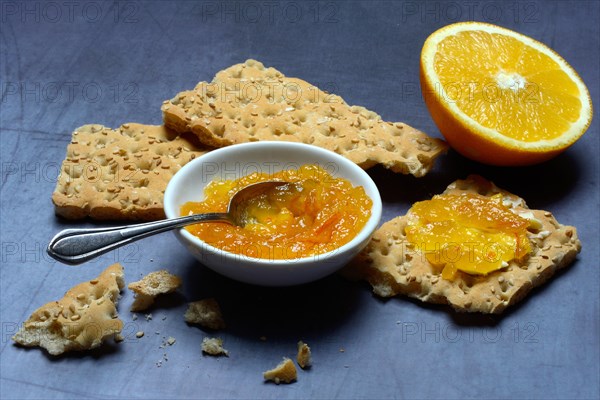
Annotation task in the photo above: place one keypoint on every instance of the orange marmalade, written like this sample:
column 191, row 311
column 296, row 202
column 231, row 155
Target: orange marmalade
column 468, row 232
column 313, row 214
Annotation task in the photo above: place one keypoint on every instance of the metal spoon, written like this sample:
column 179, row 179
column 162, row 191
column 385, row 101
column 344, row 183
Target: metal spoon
column 75, row 246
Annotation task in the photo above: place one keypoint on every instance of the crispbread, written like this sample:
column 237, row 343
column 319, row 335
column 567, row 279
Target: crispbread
column 248, row 102
column 394, row 266
column 81, row 320
column 120, row 173
column 214, row 347
column 206, row 313
column 303, row 357
column 284, row 372
column 150, row 286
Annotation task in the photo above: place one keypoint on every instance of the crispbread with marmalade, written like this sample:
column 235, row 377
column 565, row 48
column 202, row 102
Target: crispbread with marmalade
column 248, row 102
column 120, row 174
column 394, row 266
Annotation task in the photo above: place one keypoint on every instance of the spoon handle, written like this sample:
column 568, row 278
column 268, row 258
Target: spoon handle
column 75, row 246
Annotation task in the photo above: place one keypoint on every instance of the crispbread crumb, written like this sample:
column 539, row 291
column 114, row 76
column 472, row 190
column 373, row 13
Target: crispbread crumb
column 214, row 347
column 63, row 325
column 150, row 286
column 284, row 372
column 206, row 313
column 304, row 356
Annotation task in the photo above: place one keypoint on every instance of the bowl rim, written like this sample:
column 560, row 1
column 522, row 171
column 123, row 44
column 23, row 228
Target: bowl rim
column 362, row 236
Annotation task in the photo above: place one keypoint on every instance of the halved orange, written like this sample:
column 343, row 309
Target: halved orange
column 500, row 97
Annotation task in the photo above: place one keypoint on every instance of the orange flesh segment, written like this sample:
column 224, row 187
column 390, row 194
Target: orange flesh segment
column 314, row 214
column 470, row 233
column 507, row 86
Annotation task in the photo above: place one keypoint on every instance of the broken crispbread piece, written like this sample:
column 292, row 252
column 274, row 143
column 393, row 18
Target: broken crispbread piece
column 248, row 102
column 206, row 313
column 81, row 320
column 284, row 372
column 120, row 174
column 303, row 358
column 214, row 347
column 394, row 266
column 150, row 286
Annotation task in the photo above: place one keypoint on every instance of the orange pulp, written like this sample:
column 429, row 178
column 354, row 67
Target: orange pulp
column 313, row 214
column 469, row 232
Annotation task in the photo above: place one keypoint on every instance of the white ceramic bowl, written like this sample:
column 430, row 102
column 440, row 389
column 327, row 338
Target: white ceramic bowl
column 239, row 160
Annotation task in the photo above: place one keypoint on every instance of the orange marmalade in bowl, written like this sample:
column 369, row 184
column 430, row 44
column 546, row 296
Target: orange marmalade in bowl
column 313, row 214
column 470, row 233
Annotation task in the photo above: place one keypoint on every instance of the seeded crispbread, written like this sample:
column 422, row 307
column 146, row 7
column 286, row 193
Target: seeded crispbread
column 394, row 266
column 150, row 286
column 81, row 320
column 121, row 174
column 248, row 102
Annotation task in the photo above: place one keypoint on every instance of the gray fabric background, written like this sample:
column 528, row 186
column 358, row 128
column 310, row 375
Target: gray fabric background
column 65, row 64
